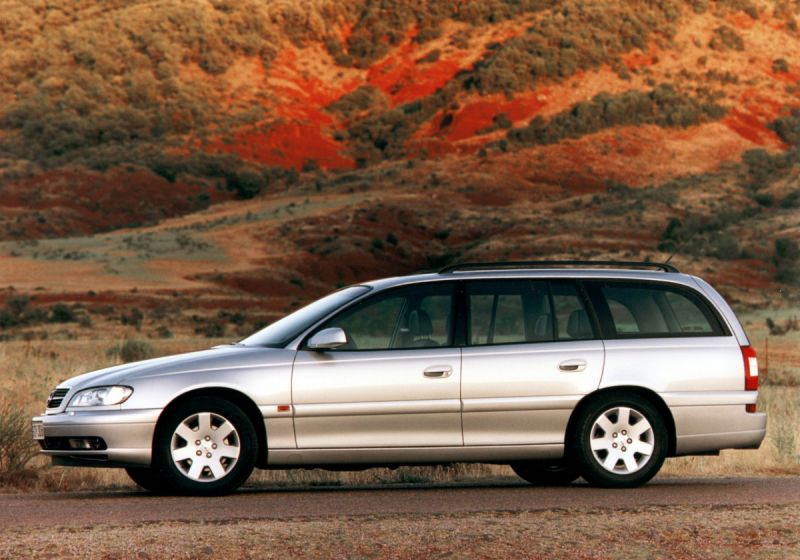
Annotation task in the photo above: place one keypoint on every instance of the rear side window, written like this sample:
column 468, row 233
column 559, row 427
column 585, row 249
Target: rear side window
column 523, row 311
column 643, row 310
column 508, row 312
column 571, row 318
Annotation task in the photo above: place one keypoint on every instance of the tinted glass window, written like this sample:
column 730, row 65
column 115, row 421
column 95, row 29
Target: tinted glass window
column 414, row 317
column 284, row 330
column 371, row 326
column 507, row 312
column 572, row 319
column 655, row 310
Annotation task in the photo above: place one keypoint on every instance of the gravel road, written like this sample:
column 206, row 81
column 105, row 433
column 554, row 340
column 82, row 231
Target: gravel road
column 22, row 511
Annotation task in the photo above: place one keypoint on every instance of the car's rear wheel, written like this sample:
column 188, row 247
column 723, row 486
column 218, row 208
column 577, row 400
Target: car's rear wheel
column 546, row 473
column 206, row 446
column 620, row 441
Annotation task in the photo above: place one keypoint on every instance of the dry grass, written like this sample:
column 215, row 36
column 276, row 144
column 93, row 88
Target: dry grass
column 29, row 371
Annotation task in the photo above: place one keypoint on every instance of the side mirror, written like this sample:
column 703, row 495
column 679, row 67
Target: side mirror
column 327, row 339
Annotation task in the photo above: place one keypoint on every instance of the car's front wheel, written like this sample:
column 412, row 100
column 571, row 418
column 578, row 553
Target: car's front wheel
column 620, row 441
column 206, row 446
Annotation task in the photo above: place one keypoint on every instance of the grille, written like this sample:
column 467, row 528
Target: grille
column 56, row 398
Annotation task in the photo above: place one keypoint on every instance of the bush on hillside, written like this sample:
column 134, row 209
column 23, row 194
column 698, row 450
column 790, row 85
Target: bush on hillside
column 365, row 98
column 662, row 106
column 788, row 128
column 787, row 260
column 710, row 236
column 385, row 23
column 725, row 38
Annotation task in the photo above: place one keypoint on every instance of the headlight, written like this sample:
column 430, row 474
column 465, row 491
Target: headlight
column 102, row 396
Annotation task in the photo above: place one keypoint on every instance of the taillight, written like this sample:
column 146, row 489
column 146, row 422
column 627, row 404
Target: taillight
column 750, row 373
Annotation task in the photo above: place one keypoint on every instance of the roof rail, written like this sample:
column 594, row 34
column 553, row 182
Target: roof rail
column 666, row 267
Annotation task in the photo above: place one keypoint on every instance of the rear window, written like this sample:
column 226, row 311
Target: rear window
column 644, row 310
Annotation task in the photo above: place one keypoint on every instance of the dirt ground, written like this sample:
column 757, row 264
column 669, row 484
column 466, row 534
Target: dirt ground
column 706, row 532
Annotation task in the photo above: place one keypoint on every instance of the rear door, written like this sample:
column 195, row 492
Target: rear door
column 533, row 351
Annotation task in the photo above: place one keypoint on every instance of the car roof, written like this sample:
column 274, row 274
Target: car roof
column 543, row 273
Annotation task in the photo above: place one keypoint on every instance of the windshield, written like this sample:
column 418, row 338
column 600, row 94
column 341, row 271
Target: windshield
column 282, row 331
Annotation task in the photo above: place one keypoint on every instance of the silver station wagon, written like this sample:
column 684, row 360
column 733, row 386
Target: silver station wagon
column 562, row 369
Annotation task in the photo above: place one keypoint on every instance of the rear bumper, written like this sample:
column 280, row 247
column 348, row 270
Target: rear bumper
column 126, row 435
column 702, row 429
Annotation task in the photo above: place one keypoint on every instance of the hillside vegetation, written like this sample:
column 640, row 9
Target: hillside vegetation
column 269, row 151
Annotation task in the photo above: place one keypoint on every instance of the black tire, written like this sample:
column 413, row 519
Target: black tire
column 224, row 473
column 627, row 464
column 547, row 473
column 148, row 478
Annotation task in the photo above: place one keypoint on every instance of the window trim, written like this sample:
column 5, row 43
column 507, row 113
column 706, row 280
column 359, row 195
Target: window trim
column 594, row 287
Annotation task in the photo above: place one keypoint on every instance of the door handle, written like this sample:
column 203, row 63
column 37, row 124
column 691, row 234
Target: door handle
column 437, row 371
column 572, row 365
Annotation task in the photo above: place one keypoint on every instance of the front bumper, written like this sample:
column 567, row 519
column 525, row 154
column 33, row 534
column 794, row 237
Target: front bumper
column 126, row 436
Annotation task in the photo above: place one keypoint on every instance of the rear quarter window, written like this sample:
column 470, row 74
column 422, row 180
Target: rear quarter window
column 647, row 310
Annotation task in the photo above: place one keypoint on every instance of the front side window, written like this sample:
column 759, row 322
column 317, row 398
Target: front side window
column 652, row 310
column 283, row 331
column 413, row 317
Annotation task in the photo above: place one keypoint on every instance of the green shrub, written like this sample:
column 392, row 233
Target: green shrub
column 663, row 106
column 725, row 38
column 792, row 200
column 384, row 23
column 131, row 350
column 705, row 235
column 62, row 313
column 763, row 168
column 134, row 317
column 788, row 128
column 787, row 260
column 780, row 66
column 212, row 329
column 359, row 100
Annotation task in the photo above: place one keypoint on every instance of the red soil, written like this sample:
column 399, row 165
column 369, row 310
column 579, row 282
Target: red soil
column 290, row 144
column 404, row 78
column 478, row 115
column 750, row 119
column 639, row 59
column 741, row 20
column 298, row 130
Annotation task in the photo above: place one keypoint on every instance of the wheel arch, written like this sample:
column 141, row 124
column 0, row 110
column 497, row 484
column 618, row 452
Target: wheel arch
column 233, row 396
column 647, row 394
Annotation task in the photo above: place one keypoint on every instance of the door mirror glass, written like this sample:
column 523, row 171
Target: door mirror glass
column 327, row 339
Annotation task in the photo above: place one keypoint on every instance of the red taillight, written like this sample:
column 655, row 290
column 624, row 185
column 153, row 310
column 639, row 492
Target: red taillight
column 750, row 368
column 750, row 373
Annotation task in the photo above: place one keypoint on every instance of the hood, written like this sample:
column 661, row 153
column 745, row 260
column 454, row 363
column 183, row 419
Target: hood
column 215, row 358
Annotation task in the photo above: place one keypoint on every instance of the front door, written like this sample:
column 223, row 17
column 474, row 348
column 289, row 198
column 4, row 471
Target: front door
column 396, row 383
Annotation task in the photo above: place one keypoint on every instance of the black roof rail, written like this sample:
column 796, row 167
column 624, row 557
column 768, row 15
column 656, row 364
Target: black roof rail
column 666, row 267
